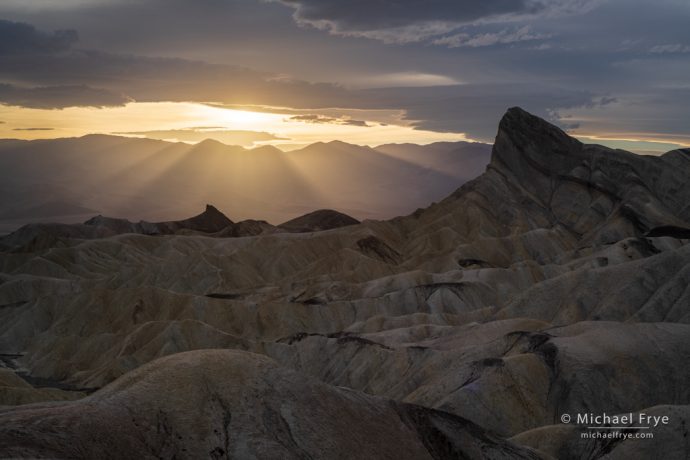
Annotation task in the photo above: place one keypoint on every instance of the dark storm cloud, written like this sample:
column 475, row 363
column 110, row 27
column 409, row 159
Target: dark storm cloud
column 506, row 36
column 383, row 14
column 59, row 97
column 19, row 38
column 70, row 78
column 73, row 73
column 413, row 20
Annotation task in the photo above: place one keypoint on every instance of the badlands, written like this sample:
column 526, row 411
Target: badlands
column 555, row 283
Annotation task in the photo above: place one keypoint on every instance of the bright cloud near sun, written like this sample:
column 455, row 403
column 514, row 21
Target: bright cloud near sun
column 286, row 130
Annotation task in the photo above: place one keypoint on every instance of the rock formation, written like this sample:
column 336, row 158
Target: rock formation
column 211, row 222
column 323, row 219
column 230, row 404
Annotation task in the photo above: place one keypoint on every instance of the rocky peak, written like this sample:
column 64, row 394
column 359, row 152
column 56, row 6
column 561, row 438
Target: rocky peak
column 526, row 143
column 209, row 221
column 583, row 187
column 213, row 212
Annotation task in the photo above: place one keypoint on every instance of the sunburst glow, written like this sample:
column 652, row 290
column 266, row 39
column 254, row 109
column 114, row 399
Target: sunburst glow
column 232, row 118
column 286, row 129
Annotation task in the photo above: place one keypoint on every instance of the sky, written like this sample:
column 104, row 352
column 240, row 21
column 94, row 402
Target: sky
column 291, row 72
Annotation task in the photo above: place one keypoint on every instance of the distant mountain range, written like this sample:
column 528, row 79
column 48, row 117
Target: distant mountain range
column 70, row 180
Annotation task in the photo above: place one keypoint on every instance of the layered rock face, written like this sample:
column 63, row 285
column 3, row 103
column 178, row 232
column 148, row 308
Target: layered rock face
column 556, row 282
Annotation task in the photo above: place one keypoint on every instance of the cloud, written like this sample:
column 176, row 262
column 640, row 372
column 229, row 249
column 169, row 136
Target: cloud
column 52, row 4
column 488, row 39
column 474, row 109
column 659, row 116
column 71, row 78
column 607, row 51
column 542, row 47
column 76, row 77
column 322, row 119
column 200, row 133
column 405, row 21
column 33, row 129
column 404, row 79
column 17, row 38
column 365, row 15
column 59, row 97
column 670, row 48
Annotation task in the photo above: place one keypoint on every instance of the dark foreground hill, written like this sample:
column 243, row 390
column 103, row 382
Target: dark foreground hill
column 323, row 219
column 211, row 223
column 554, row 283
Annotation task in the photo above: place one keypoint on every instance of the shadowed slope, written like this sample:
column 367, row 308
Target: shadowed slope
column 228, row 404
